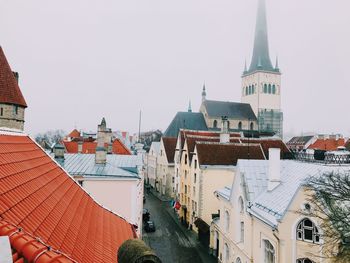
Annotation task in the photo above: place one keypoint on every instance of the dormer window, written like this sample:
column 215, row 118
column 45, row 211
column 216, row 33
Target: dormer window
column 215, row 124
column 307, row 231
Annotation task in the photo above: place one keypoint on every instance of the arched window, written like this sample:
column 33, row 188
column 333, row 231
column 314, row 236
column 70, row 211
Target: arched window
column 227, row 253
column 241, row 205
column 273, row 89
column 242, row 232
column 228, row 125
column 269, row 88
column 227, row 221
column 269, row 252
column 215, row 124
column 252, row 126
column 238, row 260
column 307, row 231
column 253, row 89
column 250, row 90
column 304, row 260
column 265, row 88
column 240, row 125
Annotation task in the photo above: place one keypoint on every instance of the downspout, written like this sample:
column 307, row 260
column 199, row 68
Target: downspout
column 279, row 243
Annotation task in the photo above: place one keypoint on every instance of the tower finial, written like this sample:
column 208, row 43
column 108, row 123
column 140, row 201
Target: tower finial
column 261, row 45
column 189, row 106
column 204, row 93
column 276, row 66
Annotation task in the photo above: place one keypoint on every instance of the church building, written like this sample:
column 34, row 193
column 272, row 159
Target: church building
column 261, row 83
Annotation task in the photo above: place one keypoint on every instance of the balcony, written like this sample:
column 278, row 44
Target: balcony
column 338, row 157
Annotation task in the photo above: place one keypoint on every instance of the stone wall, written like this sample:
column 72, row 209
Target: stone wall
column 10, row 118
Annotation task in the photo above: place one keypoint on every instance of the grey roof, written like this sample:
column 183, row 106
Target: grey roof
column 225, row 192
column 261, row 57
column 186, row 120
column 233, row 110
column 272, row 205
column 124, row 166
column 300, row 140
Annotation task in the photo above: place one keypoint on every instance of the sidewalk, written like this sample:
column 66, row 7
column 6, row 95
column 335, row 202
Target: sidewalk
column 191, row 235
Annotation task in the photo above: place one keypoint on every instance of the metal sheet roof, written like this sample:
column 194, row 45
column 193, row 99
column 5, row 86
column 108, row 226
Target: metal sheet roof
column 116, row 165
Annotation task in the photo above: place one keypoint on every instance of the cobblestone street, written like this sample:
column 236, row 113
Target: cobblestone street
column 170, row 240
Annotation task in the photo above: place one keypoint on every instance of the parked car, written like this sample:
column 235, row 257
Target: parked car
column 145, row 215
column 149, row 226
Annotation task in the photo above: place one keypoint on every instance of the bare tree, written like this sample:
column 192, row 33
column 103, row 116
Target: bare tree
column 330, row 197
column 50, row 137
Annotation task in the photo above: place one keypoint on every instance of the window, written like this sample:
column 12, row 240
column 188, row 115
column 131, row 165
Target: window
column 228, row 125
column 304, row 260
column 194, row 191
column 1, row 111
column 173, row 179
column 251, row 126
column 246, row 91
column 307, row 231
column 185, row 174
column 215, row 125
column 273, row 89
column 227, row 253
column 250, row 90
column 161, row 152
column 195, row 164
column 227, row 221
column 242, row 232
column 240, row 125
column 265, row 88
column 185, row 189
column 185, row 158
column 241, row 205
column 269, row 252
column 238, row 260
column 269, row 88
column 195, row 178
column 15, row 109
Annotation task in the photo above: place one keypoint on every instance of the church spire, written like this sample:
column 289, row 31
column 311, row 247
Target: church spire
column 261, row 58
column 204, row 93
column 189, row 106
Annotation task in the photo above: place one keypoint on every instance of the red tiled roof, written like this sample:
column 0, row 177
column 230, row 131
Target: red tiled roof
column 266, row 144
column 10, row 92
column 327, row 144
column 227, row 154
column 90, row 147
column 74, row 134
column 169, row 146
column 37, row 196
column 120, row 148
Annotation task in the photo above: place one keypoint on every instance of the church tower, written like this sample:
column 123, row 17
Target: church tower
column 261, row 82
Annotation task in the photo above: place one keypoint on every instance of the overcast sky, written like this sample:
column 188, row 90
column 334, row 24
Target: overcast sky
column 84, row 59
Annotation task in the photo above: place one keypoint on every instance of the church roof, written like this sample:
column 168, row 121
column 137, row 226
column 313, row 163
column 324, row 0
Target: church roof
column 233, row 110
column 261, row 57
column 186, row 120
column 47, row 215
column 10, row 92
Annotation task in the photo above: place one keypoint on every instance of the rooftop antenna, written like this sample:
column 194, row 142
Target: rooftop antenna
column 139, row 140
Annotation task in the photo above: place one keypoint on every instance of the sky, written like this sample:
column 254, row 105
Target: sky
column 83, row 60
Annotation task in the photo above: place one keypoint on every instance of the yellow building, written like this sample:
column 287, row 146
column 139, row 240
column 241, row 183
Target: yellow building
column 264, row 215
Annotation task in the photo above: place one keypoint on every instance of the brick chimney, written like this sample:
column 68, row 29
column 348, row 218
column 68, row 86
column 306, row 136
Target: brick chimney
column 274, row 171
column 224, row 135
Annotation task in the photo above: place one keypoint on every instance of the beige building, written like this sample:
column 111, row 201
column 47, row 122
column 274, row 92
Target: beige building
column 264, row 215
column 151, row 164
column 165, row 167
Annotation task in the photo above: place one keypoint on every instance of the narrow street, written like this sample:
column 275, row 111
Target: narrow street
column 169, row 240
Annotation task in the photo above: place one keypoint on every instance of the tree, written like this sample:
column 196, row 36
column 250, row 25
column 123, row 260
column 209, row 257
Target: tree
column 330, row 197
column 50, row 137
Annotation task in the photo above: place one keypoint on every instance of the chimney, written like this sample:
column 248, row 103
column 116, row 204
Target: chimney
column 101, row 151
column 274, row 168
column 224, row 135
column 16, row 76
column 58, row 151
column 80, row 146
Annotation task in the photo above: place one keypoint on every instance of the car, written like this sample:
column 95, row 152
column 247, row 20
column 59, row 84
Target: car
column 145, row 215
column 149, row 226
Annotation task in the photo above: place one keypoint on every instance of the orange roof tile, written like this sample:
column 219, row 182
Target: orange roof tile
column 327, row 144
column 74, row 134
column 90, row 147
column 37, row 196
column 120, row 148
column 10, row 92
